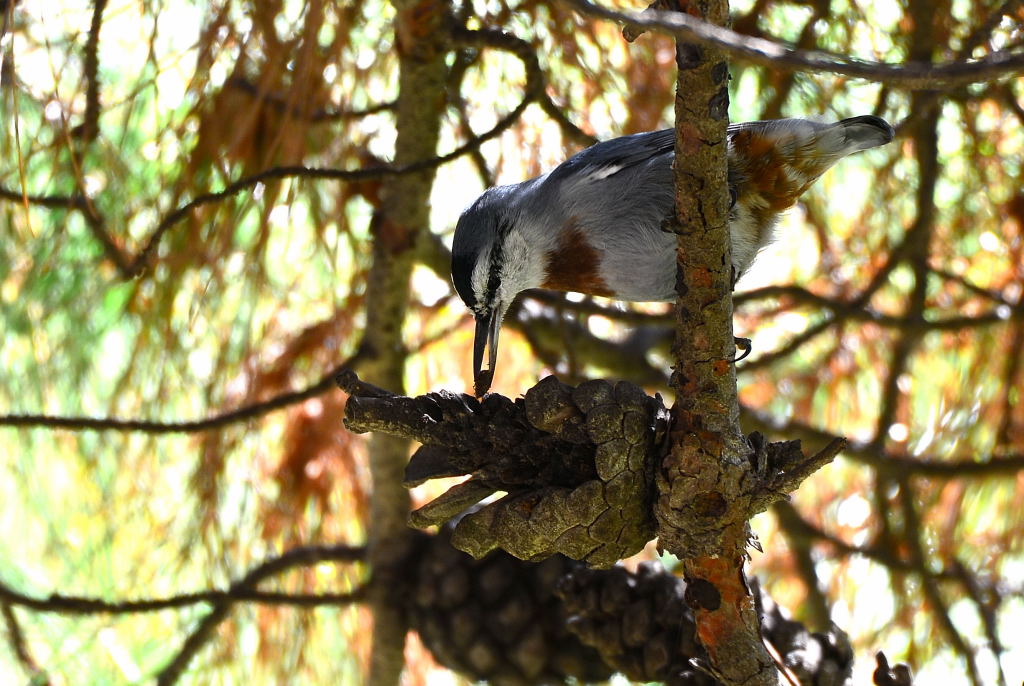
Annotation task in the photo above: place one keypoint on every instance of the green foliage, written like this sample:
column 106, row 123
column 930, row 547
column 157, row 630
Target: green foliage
column 263, row 292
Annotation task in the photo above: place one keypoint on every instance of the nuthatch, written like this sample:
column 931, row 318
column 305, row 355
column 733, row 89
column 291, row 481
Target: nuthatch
column 594, row 224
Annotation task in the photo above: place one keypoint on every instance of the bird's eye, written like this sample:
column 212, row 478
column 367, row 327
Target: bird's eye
column 732, row 197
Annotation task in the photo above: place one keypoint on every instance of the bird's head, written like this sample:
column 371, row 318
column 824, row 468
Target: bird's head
column 493, row 260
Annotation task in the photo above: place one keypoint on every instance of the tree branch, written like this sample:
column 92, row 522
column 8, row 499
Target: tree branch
column 17, row 641
column 242, row 590
column 132, row 267
column 911, row 75
column 82, row 605
column 73, row 202
column 325, row 384
column 705, row 496
column 867, row 453
column 913, row 532
column 307, row 555
column 90, row 127
column 569, row 129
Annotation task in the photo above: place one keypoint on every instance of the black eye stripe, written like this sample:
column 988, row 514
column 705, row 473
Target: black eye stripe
column 462, row 271
column 497, row 261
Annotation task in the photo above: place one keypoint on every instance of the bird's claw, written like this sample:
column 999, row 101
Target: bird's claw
column 671, row 225
column 744, row 345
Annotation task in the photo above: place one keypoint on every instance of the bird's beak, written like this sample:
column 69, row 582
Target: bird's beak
column 487, row 327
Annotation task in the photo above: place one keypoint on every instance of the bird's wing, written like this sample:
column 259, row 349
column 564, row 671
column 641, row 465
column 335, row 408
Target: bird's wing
column 741, row 125
column 609, row 157
column 612, row 156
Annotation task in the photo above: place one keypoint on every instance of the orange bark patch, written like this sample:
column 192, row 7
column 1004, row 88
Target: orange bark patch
column 701, row 277
column 690, row 141
column 574, row 265
column 717, row 628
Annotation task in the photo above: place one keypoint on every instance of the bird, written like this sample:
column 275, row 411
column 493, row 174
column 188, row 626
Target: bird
column 594, row 224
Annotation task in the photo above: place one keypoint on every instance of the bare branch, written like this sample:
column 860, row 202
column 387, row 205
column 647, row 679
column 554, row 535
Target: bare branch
column 931, row 467
column 911, row 75
column 219, row 421
column 569, row 130
column 73, row 202
column 914, row 532
column 243, row 590
column 90, row 127
column 857, row 310
column 81, row 605
column 307, row 555
column 196, row 640
column 17, row 641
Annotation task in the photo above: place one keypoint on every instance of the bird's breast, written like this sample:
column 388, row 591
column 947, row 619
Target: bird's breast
column 574, row 264
column 636, row 262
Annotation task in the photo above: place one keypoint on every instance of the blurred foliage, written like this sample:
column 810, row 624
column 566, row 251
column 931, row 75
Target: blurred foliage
column 910, row 347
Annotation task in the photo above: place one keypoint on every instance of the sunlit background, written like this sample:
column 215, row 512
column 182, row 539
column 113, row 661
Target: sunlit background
column 263, row 293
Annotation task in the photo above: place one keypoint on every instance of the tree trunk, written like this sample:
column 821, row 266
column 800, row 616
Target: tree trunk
column 700, row 480
column 421, row 43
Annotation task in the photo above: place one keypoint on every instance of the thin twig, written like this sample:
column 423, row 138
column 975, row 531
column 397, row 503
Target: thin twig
column 569, row 129
column 954, row 467
column 986, row 599
column 464, row 59
column 794, row 475
column 82, row 605
column 74, row 202
column 914, row 531
column 17, row 640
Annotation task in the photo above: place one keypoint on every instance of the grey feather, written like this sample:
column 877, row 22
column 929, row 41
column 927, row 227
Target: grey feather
column 618, row 192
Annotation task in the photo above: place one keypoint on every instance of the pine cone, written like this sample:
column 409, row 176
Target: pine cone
column 578, row 466
column 498, row 619
column 575, row 462
column 642, row 627
column 816, row 659
column 638, row 621
column 516, row 623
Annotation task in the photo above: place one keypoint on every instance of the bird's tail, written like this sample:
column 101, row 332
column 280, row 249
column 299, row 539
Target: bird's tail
column 808, row 141
column 858, row 133
column 779, row 159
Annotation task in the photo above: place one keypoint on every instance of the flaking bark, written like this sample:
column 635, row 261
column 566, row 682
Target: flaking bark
column 703, row 506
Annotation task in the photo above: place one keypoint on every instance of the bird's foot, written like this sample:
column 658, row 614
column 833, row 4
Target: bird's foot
column 744, row 345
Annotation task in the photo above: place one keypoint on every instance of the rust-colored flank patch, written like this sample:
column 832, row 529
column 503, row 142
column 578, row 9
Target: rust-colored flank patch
column 777, row 179
column 574, row 264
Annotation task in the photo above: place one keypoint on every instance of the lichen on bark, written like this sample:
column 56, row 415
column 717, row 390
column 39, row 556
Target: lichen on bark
column 703, row 504
column 422, row 43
